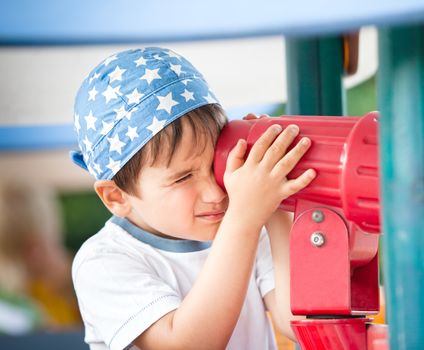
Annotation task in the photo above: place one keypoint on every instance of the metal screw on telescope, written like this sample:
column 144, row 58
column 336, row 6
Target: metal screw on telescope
column 318, row 216
column 317, row 239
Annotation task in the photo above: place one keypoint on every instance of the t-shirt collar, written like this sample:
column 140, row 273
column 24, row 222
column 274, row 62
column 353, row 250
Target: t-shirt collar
column 170, row 245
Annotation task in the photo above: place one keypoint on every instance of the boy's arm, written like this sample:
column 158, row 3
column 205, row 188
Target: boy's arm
column 277, row 301
column 207, row 316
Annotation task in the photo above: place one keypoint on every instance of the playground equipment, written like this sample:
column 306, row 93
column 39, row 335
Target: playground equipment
column 314, row 54
column 334, row 238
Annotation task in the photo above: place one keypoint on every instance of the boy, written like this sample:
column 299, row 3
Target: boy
column 147, row 124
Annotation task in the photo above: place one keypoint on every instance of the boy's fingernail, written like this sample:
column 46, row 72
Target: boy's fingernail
column 277, row 128
column 294, row 129
column 305, row 141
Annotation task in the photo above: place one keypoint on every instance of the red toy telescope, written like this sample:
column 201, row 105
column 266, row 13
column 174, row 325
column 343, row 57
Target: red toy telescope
column 334, row 240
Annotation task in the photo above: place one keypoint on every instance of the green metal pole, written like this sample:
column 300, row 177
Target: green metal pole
column 314, row 76
column 401, row 101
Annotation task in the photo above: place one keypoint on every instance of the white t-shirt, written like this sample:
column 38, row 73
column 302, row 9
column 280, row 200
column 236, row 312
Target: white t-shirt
column 126, row 279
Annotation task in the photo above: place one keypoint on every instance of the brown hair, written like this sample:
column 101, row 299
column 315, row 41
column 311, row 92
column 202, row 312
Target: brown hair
column 206, row 120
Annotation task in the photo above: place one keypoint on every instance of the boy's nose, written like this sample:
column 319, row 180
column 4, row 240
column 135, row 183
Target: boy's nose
column 211, row 192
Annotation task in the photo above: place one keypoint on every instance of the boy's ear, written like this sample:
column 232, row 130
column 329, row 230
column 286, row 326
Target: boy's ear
column 115, row 199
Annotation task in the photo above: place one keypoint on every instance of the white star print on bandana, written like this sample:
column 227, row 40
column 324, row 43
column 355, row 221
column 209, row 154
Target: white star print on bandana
column 129, row 98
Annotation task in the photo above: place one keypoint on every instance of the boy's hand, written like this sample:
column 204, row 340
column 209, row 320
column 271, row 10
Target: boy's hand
column 257, row 185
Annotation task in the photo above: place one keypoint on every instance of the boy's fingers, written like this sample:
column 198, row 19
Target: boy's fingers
column 263, row 143
column 289, row 161
column 279, row 147
column 250, row 116
column 295, row 185
column 236, row 156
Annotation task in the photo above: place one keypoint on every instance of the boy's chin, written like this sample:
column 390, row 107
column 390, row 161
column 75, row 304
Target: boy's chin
column 209, row 233
column 210, row 237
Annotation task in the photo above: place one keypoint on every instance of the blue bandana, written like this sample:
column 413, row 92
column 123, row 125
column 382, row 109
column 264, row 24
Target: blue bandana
column 128, row 99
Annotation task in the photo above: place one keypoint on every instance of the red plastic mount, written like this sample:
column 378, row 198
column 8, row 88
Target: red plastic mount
column 331, row 334
column 338, row 277
column 377, row 337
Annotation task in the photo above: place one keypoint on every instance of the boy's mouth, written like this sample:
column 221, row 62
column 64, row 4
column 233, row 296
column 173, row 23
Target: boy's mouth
column 212, row 215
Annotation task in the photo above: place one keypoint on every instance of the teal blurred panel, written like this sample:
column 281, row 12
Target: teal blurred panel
column 314, row 76
column 401, row 101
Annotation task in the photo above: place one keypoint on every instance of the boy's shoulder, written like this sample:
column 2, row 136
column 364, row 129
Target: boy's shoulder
column 110, row 240
column 115, row 246
column 103, row 238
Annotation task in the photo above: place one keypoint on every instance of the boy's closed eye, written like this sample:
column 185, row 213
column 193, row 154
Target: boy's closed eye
column 183, row 178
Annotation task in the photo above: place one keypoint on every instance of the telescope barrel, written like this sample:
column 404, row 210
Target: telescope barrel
column 344, row 154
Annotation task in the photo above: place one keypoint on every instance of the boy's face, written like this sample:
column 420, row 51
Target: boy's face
column 180, row 200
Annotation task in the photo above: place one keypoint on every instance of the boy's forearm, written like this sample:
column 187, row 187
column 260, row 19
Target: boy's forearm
column 213, row 305
column 279, row 233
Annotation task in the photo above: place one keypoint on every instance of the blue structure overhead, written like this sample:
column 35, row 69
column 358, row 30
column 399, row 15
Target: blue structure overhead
column 63, row 136
column 67, row 22
column 37, row 137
